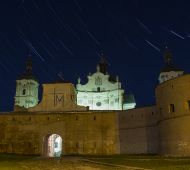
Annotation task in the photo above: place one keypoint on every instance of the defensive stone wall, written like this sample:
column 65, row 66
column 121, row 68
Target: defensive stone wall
column 81, row 132
column 138, row 130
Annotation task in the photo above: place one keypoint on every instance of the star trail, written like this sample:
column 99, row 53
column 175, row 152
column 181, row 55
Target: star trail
column 66, row 38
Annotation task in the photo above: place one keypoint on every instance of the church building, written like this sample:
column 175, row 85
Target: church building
column 103, row 91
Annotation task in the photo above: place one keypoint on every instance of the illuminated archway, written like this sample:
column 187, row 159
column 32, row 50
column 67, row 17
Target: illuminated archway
column 53, row 145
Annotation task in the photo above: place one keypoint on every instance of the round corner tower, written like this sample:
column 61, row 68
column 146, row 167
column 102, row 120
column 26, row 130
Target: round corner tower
column 27, row 88
column 173, row 106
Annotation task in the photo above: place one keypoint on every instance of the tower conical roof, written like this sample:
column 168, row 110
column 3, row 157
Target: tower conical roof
column 103, row 64
column 169, row 66
column 28, row 72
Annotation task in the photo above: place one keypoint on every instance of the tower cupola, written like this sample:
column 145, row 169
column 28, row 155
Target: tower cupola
column 169, row 71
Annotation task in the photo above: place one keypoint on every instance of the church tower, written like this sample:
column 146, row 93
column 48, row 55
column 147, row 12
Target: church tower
column 169, row 71
column 103, row 65
column 27, row 88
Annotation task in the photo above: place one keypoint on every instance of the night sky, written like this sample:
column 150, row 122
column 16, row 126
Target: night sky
column 67, row 37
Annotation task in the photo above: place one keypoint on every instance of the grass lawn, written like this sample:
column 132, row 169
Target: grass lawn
column 149, row 162
column 12, row 162
column 17, row 162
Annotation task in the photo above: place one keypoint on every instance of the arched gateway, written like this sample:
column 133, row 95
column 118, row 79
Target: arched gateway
column 52, row 145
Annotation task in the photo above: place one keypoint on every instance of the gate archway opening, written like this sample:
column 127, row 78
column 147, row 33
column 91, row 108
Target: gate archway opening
column 53, row 145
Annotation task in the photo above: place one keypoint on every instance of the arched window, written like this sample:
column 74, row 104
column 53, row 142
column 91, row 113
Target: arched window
column 24, row 92
column 171, row 108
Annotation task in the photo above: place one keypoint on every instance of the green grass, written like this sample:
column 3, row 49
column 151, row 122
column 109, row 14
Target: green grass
column 149, row 162
column 18, row 162
column 12, row 162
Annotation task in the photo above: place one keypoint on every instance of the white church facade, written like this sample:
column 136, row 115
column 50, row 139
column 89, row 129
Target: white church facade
column 103, row 92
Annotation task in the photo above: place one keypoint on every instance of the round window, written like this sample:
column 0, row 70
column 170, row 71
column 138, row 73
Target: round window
column 98, row 104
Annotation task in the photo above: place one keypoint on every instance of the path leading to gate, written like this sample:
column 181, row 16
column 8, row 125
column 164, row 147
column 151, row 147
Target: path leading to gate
column 70, row 163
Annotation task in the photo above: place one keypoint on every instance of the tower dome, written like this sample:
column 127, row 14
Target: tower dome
column 27, row 88
column 103, row 64
column 169, row 71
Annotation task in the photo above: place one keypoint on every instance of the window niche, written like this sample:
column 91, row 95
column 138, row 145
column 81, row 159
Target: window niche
column 98, row 89
column 171, row 108
column 24, row 92
column 187, row 105
column 160, row 109
column 72, row 98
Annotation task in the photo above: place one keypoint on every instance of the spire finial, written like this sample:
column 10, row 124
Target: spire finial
column 79, row 80
column 29, row 64
column 117, row 78
column 98, row 68
column 167, row 56
column 103, row 64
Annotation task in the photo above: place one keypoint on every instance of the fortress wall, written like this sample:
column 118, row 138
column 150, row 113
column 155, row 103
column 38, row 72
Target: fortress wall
column 82, row 132
column 138, row 130
column 175, row 136
column 173, row 105
column 18, row 134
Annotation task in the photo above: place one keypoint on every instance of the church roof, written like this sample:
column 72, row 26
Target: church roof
column 103, row 68
column 28, row 72
column 58, row 82
column 169, row 66
column 27, row 76
column 103, row 64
